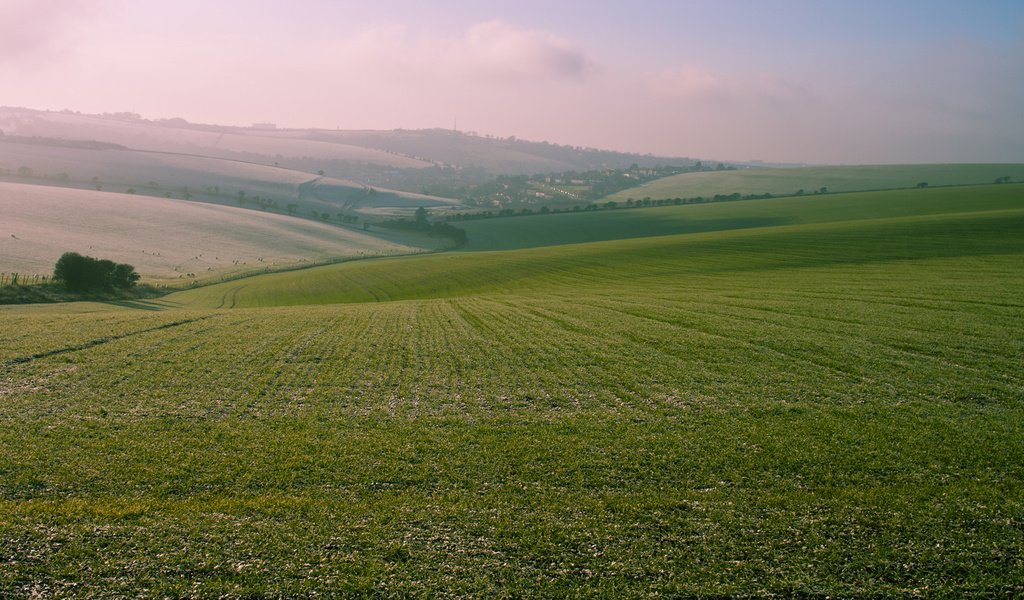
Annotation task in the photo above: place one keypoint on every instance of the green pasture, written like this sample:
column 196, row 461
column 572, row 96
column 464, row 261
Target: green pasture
column 813, row 406
column 781, row 234
column 787, row 181
column 591, row 226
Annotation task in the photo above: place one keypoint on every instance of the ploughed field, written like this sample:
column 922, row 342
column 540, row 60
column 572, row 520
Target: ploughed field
column 833, row 407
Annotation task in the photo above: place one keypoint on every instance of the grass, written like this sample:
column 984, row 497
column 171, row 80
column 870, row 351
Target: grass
column 830, row 408
column 831, row 235
column 592, row 226
column 56, row 292
column 784, row 182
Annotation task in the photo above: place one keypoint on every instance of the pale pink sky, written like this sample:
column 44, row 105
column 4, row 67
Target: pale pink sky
column 801, row 81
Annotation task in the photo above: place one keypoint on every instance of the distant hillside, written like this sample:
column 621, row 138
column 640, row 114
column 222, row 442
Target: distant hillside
column 177, row 135
column 809, row 180
column 105, row 167
column 362, row 155
column 502, row 156
column 171, row 241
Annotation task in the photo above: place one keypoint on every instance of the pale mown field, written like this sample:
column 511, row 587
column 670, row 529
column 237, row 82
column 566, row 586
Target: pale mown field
column 168, row 241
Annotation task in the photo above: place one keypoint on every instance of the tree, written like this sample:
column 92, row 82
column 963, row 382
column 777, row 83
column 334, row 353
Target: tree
column 82, row 273
column 421, row 216
column 123, row 276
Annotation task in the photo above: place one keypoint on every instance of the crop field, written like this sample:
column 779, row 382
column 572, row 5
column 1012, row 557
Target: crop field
column 592, row 226
column 169, row 241
column 785, row 182
column 809, row 406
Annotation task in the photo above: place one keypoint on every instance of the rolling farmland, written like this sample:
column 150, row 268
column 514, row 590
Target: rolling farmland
column 170, row 241
column 198, row 178
column 816, row 397
column 785, row 182
column 592, row 226
column 176, row 137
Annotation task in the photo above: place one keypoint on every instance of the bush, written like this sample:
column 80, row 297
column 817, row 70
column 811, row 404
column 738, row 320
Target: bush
column 81, row 273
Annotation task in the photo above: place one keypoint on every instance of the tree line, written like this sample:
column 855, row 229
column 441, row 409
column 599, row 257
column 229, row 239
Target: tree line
column 422, row 224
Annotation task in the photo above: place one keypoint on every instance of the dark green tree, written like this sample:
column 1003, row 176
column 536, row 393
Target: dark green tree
column 82, row 273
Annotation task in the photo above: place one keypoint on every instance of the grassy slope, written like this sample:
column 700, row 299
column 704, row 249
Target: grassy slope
column 591, row 226
column 931, row 214
column 810, row 179
column 165, row 239
column 830, row 409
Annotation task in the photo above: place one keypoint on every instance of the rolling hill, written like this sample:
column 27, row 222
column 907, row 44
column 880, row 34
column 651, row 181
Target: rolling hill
column 340, row 152
column 786, row 233
column 171, row 241
column 591, row 226
column 824, row 399
column 198, row 178
column 788, row 181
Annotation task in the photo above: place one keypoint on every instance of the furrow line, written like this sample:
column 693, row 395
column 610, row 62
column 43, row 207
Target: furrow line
column 99, row 342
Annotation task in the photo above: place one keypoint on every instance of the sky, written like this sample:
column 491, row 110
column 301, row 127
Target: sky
column 803, row 81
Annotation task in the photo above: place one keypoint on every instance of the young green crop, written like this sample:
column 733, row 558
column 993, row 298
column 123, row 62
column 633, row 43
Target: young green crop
column 810, row 180
column 827, row 409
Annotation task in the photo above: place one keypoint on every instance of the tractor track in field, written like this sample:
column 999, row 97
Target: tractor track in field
column 98, row 342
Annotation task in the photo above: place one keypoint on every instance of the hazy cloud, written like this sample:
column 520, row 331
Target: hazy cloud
column 501, row 50
column 493, row 51
column 691, row 82
column 701, row 84
column 33, row 30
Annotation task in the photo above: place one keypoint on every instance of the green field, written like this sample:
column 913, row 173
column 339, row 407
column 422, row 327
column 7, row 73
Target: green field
column 789, row 399
column 785, row 182
column 592, row 226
